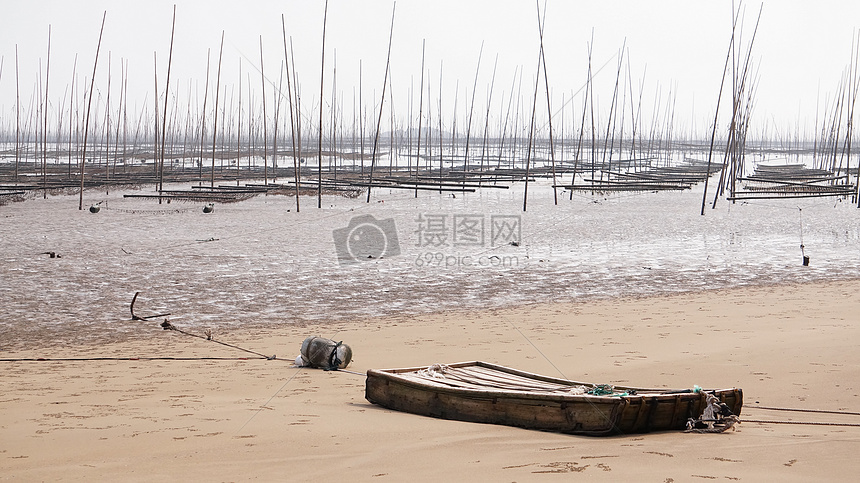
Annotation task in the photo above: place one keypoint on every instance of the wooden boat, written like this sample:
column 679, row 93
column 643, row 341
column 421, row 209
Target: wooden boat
column 488, row 393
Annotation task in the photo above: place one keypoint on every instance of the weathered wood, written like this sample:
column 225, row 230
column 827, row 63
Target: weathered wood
column 488, row 393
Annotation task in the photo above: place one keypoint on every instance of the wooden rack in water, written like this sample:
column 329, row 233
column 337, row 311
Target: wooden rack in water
column 792, row 181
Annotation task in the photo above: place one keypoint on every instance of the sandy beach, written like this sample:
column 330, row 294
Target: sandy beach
column 236, row 419
column 165, row 251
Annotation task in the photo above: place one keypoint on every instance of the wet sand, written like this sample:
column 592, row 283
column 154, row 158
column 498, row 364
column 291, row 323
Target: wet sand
column 791, row 346
column 260, row 263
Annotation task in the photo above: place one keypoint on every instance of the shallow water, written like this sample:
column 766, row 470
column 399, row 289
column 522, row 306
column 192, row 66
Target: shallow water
column 259, row 262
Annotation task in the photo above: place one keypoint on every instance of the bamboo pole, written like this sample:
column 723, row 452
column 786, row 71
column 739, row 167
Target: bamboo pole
column 250, row 127
column 548, row 106
column 854, row 87
column 736, row 99
column 322, row 82
column 155, row 129
column 123, row 79
column 591, row 107
column 72, row 97
column 717, row 113
column 428, row 149
column 215, row 123
column 381, row 103
column 17, row 116
column 36, row 112
column 59, row 131
column 635, row 117
column 531, row 135
column 409, row 127
column 239, row 126
column 89, row 106
column 612, row 109
column 454, row 126
column 487, row 119
column 107, row 128
column 45, row 130
column 391, row 130
column 164, row 119
column 504, row 127
column 265, row 126
column 420, row 115
column 185, row 142
column 441, row 140
column 333, row 122
column 563, row 142
column 203, row 123
column 277, row 116
column 471, row 111
column 581, row 129
column 362, row 113
column 298, row 99
column 292, row 118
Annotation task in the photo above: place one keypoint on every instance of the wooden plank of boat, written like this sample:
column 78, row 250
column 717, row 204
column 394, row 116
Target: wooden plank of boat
column 488, row 393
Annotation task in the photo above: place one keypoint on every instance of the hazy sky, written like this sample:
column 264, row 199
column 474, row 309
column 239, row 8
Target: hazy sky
column 801, row 50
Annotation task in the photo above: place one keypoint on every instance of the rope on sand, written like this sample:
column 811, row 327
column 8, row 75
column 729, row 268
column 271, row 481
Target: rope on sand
column 166, row 325
column 84, row 359
column 822, row 411
column 811, row 423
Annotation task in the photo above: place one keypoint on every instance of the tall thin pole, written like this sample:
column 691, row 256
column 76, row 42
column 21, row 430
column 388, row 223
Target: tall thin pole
column 203, row 122
column 239, row 125
column 45, row 130
column 420, row 116
column 119, row 111
column 333, row 122
column 164, row 113
column 298, row 99
column 548, row 107
column 215, row 124
column 381, row 103
column 487, row 119
column 155, row 129
column 441, row 137
column 89, row 106
column 531, row 136
column 124, row 120
column 265, row 127
column 276, row 117
column 71, row 112
column 471, row 111
column 322, row 81
column 17, row 116
column 503, row 127
column 292, row 119
column 716, row 117
column 361, row 110
column 107, row 126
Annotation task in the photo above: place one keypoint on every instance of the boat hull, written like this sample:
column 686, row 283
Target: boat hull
column 643, row 410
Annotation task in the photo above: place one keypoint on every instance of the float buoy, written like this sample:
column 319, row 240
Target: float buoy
column 325, row 354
